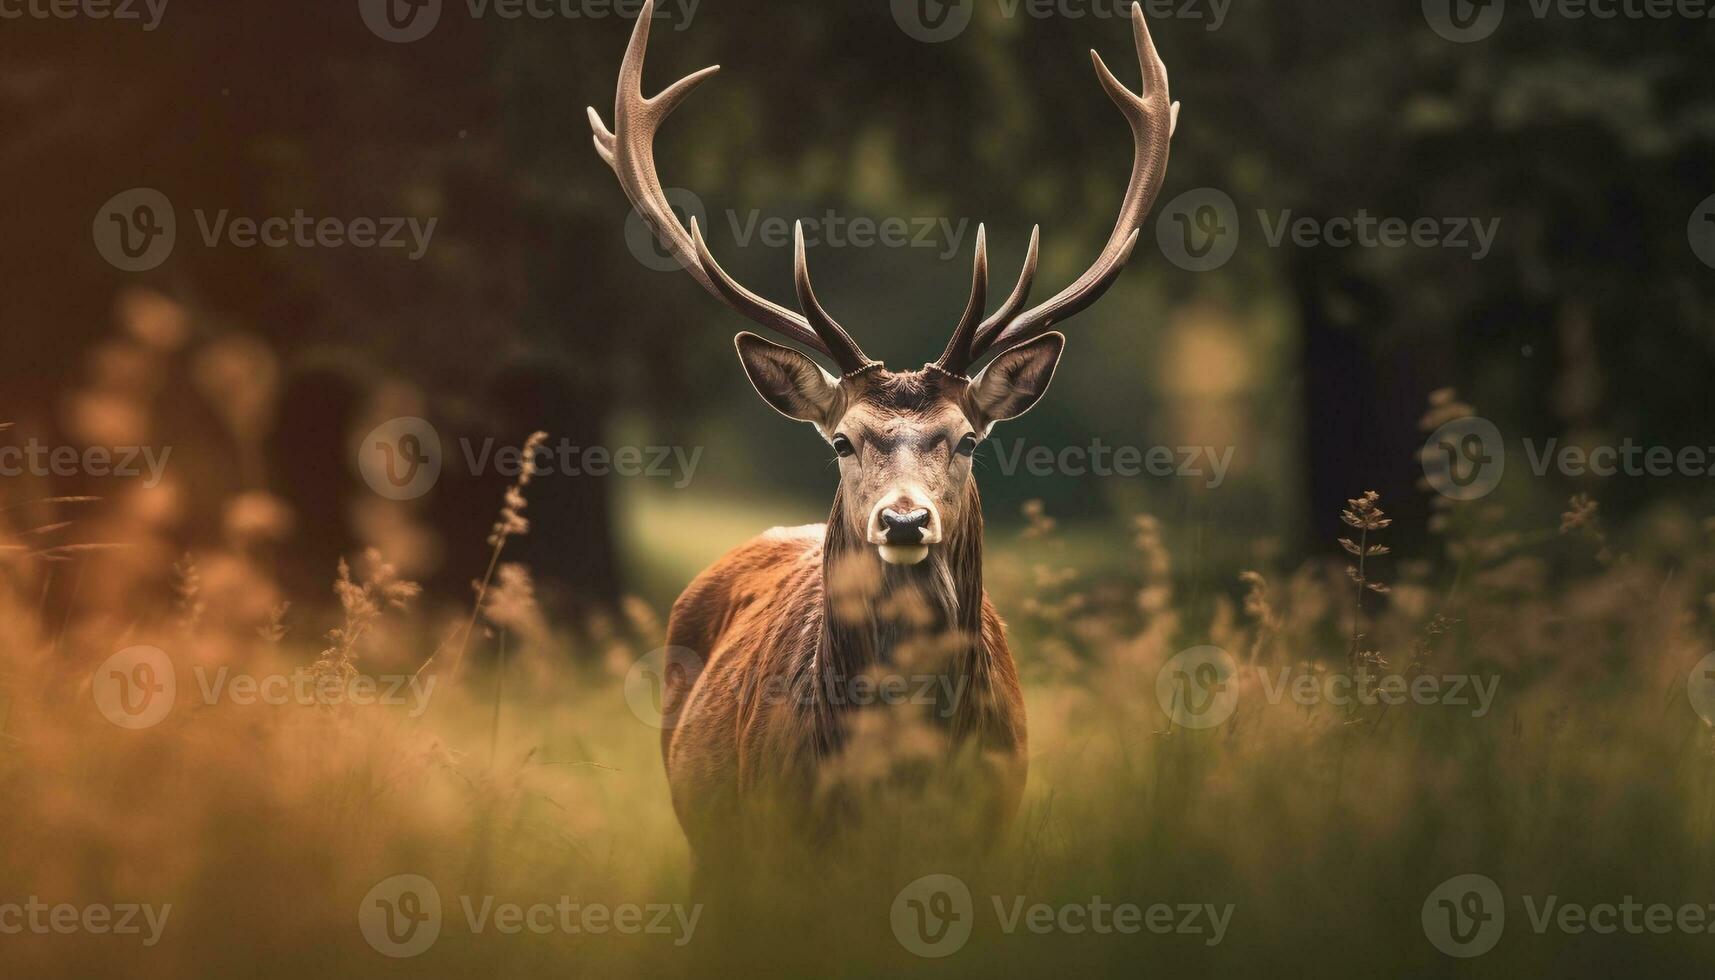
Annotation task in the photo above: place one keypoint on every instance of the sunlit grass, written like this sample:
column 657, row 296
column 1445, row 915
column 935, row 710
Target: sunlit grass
column 1589, row 777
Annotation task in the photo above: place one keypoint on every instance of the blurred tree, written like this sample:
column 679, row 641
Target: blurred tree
column 1591, row 141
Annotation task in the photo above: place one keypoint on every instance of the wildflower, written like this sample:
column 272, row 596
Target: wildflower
column 187, row 587
column 1040, row 524
column 1365, row 514
column 363, row 602
column 1580, row 513
column 512, row 521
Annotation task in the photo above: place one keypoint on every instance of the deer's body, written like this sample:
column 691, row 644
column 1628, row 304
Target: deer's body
column 820, row 661
column 768, row 710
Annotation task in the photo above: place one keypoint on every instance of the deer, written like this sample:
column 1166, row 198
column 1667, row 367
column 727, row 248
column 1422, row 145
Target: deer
column 784, row 629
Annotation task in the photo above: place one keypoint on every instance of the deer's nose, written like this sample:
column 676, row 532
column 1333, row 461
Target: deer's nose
column 905, row 527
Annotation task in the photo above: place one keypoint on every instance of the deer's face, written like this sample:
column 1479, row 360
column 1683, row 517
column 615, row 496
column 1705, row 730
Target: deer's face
column 904, row 441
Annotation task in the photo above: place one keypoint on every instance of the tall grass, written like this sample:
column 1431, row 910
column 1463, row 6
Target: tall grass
column 530, row 778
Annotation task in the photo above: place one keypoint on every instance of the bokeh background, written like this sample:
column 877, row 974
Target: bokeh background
column 1587, row 142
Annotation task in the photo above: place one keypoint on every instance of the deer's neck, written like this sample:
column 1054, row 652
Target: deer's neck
column 917, row 624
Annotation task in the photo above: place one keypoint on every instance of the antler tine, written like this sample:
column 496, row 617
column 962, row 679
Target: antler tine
column 1153, row 118
column 740, row 298
column 629, row 148
column 957, row 357
column 836, row 341
column 1001, row 317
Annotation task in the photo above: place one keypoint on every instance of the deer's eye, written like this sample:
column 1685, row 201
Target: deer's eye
column 967, row 445
column 843, row 446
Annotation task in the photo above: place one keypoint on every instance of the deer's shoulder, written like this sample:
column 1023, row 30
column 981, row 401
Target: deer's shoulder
column 783, row 565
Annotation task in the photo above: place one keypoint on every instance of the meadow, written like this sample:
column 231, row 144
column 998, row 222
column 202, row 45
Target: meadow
column 1524, row 707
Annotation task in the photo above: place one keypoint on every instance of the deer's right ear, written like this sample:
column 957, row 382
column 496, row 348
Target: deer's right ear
column 794, row 385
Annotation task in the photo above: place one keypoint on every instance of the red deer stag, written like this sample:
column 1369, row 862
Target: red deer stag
column 787, row 626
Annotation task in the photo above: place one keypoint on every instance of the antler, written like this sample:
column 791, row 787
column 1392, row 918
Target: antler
column 629, row 148
column 1153, row 119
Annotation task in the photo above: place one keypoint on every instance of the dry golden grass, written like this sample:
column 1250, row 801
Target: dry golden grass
column 526, row 775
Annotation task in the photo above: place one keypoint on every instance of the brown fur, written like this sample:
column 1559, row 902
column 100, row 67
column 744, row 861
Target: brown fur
column 783, row 624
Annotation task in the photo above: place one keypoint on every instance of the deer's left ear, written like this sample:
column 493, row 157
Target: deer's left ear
column 1013, row 382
